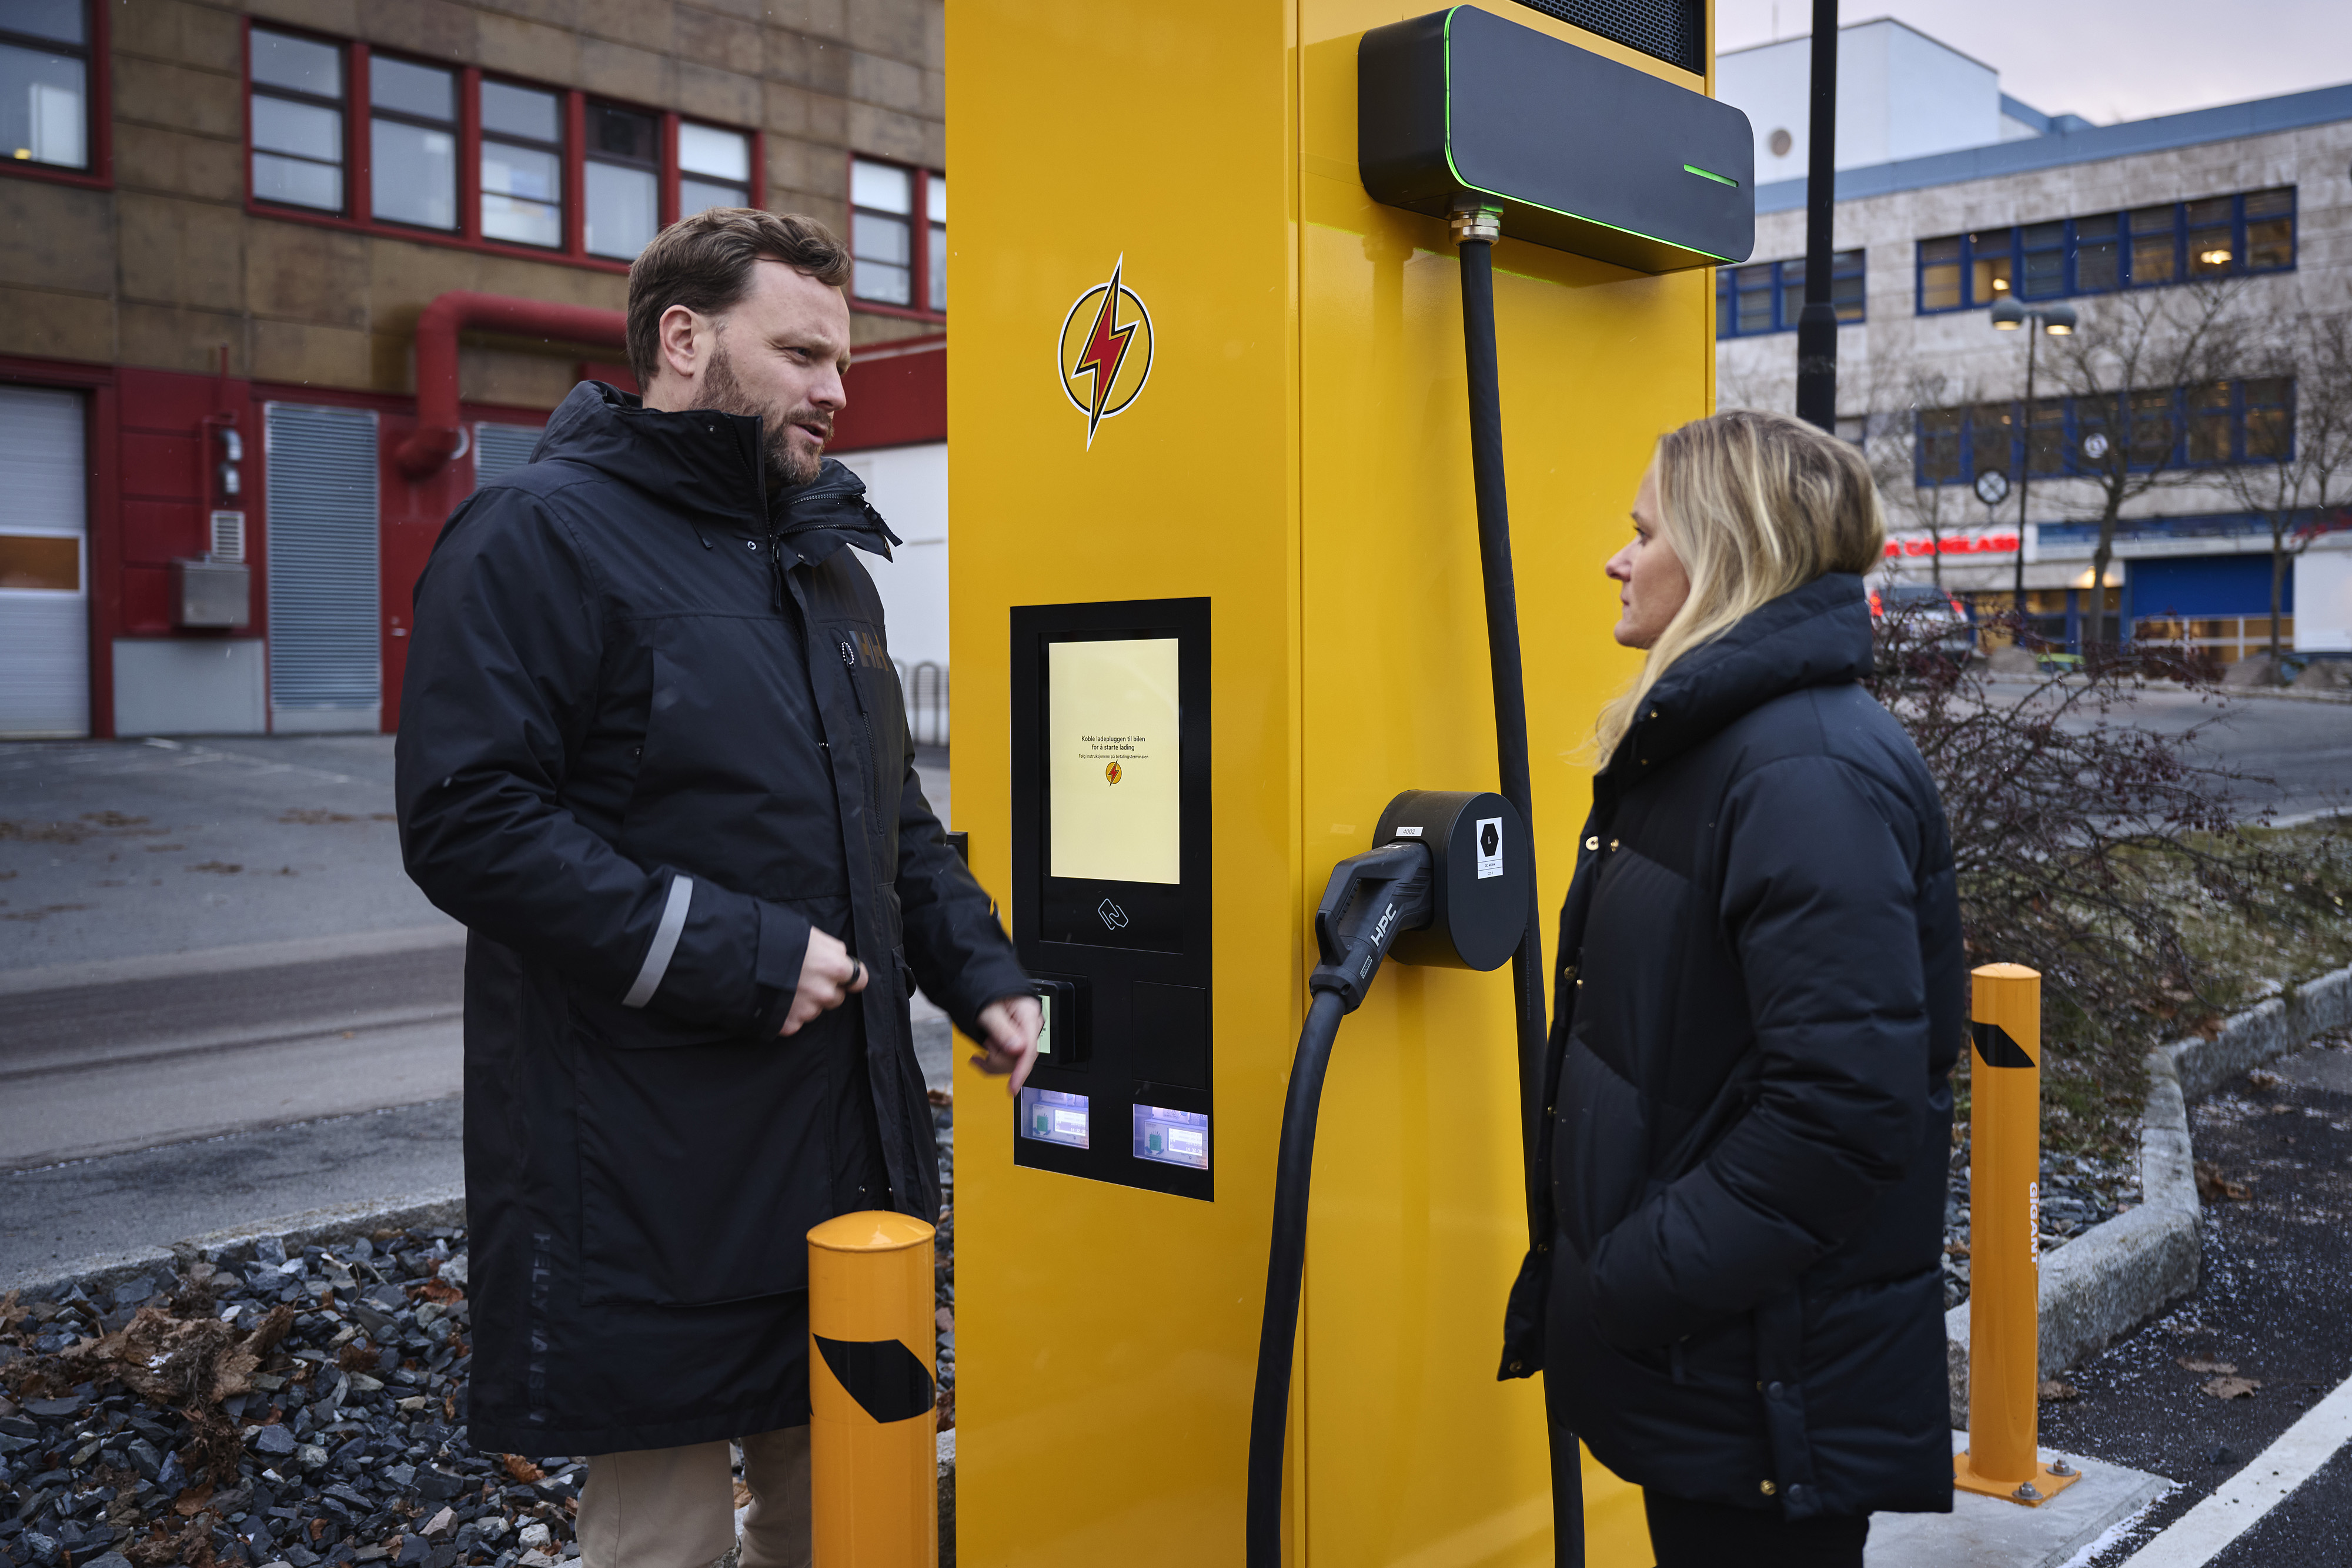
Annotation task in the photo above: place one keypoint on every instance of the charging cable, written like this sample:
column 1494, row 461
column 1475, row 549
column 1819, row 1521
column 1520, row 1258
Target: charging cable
column 1371, row 899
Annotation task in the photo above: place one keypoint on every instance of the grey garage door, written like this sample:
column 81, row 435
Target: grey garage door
column 44, row 565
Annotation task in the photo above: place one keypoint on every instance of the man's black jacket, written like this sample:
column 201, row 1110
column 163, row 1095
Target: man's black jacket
column 1761, row 995
column 650, row 737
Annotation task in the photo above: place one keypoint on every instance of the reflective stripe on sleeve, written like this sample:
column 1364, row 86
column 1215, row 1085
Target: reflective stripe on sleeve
column 666, row 936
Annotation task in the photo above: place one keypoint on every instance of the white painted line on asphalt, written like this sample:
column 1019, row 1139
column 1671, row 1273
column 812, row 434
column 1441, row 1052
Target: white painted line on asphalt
column 2197, row 1537
column 2113, row 1533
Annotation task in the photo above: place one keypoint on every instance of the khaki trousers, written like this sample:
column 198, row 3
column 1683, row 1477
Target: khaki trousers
column 675, row 1508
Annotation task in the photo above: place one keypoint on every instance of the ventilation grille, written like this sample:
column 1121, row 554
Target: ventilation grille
column 1674, row 31
column 323, row 605
column 500, row 449
column 228, row 536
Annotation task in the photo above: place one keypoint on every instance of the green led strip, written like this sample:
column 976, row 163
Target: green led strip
column 1522, row 201
column 1710, row 174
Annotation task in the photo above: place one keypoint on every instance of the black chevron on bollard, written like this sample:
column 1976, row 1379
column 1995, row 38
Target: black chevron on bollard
column 1996, row 1049
column 888, row 1381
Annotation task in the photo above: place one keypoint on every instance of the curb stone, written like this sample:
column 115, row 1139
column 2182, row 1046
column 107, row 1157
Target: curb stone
column 444, row 1206
column 2115, row 1275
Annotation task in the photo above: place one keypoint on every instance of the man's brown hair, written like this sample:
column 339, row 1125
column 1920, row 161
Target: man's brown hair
column 705, row 262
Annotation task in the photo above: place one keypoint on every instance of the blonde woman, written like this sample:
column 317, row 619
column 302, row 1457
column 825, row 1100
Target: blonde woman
column 1760, row 996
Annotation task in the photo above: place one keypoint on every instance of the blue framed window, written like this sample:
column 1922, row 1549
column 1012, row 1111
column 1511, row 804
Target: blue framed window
column 1768, row 296
column 2146, row 248
column 2249, row 420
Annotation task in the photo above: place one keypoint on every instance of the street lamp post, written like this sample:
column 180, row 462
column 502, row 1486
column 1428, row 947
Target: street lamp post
column 2058, row 321
column 1817, row 324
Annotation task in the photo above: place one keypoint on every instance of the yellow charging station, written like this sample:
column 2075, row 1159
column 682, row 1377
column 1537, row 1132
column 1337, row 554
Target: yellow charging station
column 1269, row 417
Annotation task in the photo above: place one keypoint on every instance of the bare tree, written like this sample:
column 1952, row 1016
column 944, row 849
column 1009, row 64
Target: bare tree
column 1736, row 389
column 2298, row 449
column 2127, row 370
column 2087, row 840
column 1892, row 438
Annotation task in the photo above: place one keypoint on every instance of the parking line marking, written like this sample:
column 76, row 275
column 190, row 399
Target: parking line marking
column 2199, row 1535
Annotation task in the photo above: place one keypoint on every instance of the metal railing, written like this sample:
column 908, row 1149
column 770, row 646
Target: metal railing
column 926, row 688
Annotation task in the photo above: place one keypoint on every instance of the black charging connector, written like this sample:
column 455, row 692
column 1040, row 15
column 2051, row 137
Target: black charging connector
column 1371, row 900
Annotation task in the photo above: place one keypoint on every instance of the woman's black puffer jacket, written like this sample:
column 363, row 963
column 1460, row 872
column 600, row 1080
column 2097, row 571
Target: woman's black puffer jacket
column 1760, row 996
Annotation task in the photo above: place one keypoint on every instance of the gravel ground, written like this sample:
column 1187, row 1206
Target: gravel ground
column 258, row 1407
column 2077, row 1192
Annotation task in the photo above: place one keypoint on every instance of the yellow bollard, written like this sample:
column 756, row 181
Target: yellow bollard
column 873, row 1450
column 2004, row 1242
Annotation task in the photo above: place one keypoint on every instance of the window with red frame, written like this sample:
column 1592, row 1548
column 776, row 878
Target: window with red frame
column 522, row 165
column 714, row 168
column 476, row 159
column 45, row 83
column 898, row 235
column 298, row 121
column 413, row 143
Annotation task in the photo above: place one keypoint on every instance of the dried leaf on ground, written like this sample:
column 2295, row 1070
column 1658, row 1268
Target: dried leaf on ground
column 2207, row 1364
column 2213, row 1186
column 522, row 1469
column 2264, row 1078
column 2056, row 1389
column 2231, row 1387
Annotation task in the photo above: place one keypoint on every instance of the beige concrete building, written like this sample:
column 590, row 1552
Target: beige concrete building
column 221, row 227
column 2143, row 230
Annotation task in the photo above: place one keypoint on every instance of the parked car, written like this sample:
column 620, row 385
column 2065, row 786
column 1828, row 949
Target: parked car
column 1936, row 621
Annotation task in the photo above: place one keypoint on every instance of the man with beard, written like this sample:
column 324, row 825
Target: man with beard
column 653, row 753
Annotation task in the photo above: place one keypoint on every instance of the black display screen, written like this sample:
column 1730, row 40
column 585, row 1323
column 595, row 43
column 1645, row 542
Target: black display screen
column 1110, row 856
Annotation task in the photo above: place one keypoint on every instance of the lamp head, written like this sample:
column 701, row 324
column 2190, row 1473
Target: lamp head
column 2008, row 315
column 2059, row 321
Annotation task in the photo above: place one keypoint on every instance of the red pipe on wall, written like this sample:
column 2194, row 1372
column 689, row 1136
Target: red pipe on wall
column 439, row 434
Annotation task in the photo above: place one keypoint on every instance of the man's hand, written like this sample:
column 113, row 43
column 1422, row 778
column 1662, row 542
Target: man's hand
column 1010, row 1024
column 828, row 978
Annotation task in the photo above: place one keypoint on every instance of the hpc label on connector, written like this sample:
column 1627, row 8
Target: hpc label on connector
column 1490, row 847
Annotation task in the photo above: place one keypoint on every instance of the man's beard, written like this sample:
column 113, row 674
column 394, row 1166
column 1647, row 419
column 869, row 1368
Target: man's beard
column 787, row 469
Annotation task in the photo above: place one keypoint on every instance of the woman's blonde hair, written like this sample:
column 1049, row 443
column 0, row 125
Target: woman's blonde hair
column 1756, row 506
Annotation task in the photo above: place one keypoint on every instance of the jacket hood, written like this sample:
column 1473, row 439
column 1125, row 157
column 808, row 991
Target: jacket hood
column 707, row 465
column 1817, row 635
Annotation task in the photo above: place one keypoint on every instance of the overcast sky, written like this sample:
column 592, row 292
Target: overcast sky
column 2105, row 59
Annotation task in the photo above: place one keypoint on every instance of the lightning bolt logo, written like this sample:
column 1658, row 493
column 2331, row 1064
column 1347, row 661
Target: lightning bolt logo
column 1117, row 337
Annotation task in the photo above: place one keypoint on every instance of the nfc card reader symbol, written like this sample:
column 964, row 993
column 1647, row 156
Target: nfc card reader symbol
column 1490, row 847
column 1113, row 916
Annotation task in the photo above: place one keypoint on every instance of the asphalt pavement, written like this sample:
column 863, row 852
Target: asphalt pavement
column 56, row 1217
column 2304, row 747
column 221, row 999
column 2296, row 750
column 94, row 1069
column 2201, row 1394
column 113, row 849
